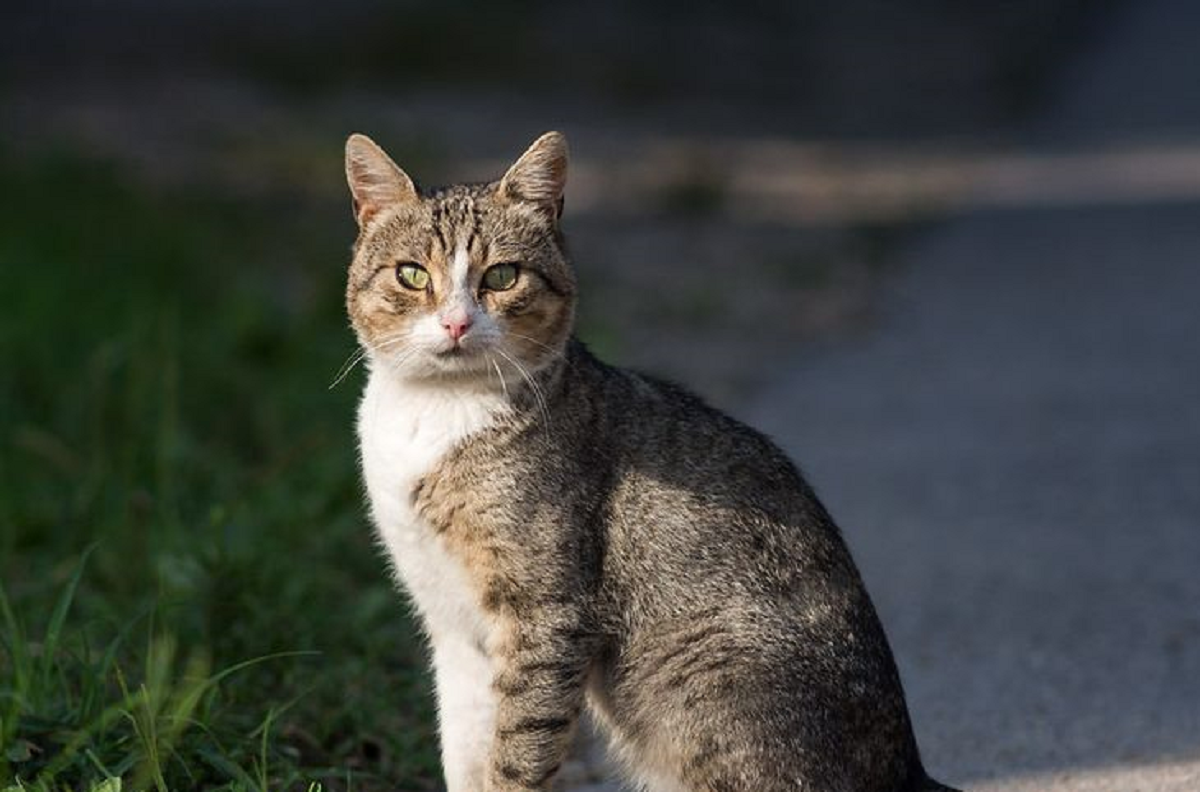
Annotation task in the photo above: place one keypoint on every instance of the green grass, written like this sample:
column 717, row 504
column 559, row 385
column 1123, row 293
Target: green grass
column 164, row 413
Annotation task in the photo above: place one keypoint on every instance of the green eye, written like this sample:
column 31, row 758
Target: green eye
column 500, row 277
column 412, row 276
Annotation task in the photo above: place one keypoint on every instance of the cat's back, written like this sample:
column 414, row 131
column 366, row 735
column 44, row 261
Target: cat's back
column 655, row 424
column 702, row 508
column 698, row 468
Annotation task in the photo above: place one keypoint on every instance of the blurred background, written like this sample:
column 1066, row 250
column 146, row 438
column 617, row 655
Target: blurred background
column 944, row 251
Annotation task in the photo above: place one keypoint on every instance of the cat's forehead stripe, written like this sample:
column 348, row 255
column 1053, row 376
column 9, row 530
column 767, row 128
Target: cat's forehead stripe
column 456, row 221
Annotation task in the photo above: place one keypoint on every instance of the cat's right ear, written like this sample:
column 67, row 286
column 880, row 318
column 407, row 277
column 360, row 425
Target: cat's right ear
column 376, row 182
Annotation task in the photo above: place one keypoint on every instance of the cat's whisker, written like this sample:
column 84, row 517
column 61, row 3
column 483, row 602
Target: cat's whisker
column 352, row 360
column 395, row 364
column 392, row 339
column 361, row 353
column 538, row 391
column 534, row 388
column 556, row 353
column 532, row 340
column 500, row 374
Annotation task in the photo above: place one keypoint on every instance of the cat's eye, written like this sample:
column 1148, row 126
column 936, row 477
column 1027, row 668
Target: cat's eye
column 500, row 277
column 412, row 276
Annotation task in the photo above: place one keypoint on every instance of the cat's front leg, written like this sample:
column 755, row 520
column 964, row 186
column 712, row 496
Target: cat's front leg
column 466, row 711
column 542, row 664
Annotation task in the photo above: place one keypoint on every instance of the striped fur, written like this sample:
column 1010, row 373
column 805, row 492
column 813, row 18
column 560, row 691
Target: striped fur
column 579, row 536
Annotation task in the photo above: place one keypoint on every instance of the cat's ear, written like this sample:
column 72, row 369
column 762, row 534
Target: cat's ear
column 375, row 181
column 540, row 175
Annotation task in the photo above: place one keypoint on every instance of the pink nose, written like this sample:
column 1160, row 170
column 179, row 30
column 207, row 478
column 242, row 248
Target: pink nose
column 457, row 323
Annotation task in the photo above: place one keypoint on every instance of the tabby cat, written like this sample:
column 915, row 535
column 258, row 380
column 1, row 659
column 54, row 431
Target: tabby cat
column 578, row 535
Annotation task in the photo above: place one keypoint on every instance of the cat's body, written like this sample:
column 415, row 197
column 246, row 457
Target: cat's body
column 577, row 535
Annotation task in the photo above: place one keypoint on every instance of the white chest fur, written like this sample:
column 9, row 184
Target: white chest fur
column 404, row 429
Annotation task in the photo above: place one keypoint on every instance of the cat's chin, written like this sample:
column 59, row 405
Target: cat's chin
column 456, row 366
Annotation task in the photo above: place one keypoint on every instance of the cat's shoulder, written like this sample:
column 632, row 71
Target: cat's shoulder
column 655, row 410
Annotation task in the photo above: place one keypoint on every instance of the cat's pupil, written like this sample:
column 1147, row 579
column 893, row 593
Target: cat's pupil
column 412, row 276
column 500, row 277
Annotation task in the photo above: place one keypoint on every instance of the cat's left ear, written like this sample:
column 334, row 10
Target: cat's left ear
column 375, row 181
column 540, row 175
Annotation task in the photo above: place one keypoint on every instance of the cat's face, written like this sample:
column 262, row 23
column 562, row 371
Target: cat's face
column 465, row 283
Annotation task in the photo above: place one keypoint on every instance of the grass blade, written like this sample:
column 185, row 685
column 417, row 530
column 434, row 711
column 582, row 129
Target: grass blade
column 14, row 644
column 59, row 617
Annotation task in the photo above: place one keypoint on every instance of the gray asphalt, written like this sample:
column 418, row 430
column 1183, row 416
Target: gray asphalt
column 1013, row 453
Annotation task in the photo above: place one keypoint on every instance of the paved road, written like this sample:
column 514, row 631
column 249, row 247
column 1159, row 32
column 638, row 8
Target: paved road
column 1014, row 456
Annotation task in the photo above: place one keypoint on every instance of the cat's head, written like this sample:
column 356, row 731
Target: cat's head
column 465, row 282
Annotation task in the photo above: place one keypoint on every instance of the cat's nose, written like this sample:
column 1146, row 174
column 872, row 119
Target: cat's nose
column 457, row 322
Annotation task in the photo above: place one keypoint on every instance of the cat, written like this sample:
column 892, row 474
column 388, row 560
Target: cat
column 574, row 535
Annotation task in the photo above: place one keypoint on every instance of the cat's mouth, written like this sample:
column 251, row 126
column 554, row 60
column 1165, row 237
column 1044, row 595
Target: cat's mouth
column 461, row 358
column 458, row 351
column 456, row 360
